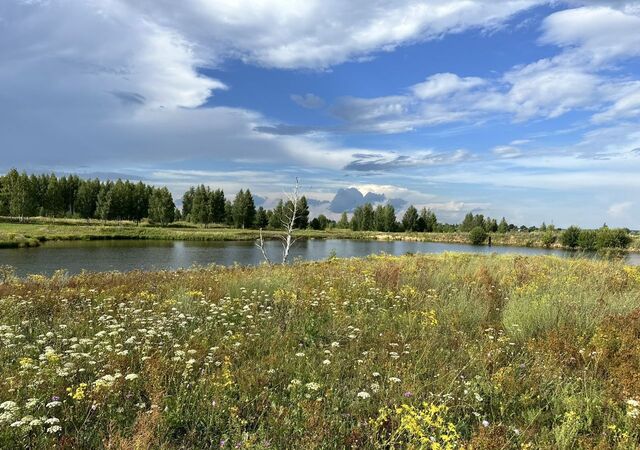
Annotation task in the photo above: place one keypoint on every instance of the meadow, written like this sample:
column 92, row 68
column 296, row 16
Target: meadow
column 36, row 231
column 435, row 352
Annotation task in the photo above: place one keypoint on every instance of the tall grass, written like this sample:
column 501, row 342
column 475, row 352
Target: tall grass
column 445, row 351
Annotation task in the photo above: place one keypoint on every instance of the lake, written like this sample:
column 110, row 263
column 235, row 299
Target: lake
column 98, row 256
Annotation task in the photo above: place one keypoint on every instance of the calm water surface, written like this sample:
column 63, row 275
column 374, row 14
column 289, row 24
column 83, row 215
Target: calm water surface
column 97, row 256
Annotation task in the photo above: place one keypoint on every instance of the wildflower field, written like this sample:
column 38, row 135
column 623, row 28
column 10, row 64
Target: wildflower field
column 434, row 352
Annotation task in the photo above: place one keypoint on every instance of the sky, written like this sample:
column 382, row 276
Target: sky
column 527, row 109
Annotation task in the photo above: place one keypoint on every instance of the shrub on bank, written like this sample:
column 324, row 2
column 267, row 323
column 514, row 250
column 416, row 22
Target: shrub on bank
column 569, row 237
column 588, row 240
column 602, row 239
column 477, row 236
column 548, row 238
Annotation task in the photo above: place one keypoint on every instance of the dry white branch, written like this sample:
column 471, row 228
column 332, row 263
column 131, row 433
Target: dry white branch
column 260, row 245
column 288, row 221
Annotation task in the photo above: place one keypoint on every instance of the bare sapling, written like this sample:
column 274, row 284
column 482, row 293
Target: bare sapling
column 287, row 222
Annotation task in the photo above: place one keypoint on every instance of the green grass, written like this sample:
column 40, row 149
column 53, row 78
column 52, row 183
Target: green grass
column 33, row 234
column 487, row 352
column 38, row 230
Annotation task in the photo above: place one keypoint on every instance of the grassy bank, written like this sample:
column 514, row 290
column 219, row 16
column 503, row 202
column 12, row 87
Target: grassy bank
column 34, row 234
column 454, row 350
column 38, row 230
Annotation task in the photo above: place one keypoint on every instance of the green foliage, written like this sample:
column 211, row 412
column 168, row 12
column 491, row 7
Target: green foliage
column 477, row 236
column 262, row 220
column 69, row 196
column 244, row 210
column 200, row 208
column 608, row 238
column 503, row 226
column 343, row 223
column 428, row 220
column 187, row 203
column 87, row 199
column 302, row 213
column 569, row 237
column 384, row 218
column 277, row 219
column 410, row 219
column 320, row 223
column 363, row 218
column 548, row 238
column 218, row 201
column 161, row 207
column 104, row 202
column 602, row 239
column 54, row 199
column 588, row 240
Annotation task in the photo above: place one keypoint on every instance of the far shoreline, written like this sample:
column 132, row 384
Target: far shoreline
column 34, row 232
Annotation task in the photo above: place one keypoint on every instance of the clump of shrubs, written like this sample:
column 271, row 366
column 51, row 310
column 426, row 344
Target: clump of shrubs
column 477, row 236
column 602, row 239
column 549, row 238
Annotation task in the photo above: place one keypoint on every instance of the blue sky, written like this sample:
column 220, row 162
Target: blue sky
column 527, row 109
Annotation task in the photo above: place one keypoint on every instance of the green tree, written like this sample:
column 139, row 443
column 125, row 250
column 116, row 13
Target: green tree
column 119, row 204
column 430, row 220
column 69, row 186
column 363, row 218
column 302, row 213
column 503, row 226
column 201, row 206
column 187, row 203
column 217, row 206
column 356, row 219
column 104, row 202
column 39, row 185
column 244, row 210
column 161, row 207
column 314, row 224
column 54, row 202
column 323, row 222
column 277, row 216
column 569, row 237
column 343, row 223
column 384, row 218
column 389, row 218
column 490, row 225
column 477, row 235
column 22, row 199
column 410, row 219
column 262, row 220
column 87, row 198
column 228, row 213
column 138, row 204
column 4, row 197
column 468, row 223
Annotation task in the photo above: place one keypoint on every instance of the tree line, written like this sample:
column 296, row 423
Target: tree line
column 201, row 205
column 47, row 195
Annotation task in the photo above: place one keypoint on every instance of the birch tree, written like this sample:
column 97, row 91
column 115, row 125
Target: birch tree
column 288, row 218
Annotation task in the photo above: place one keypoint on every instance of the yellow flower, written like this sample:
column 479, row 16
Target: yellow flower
column 79, row 393
column 430, row 317
column 25, row 363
